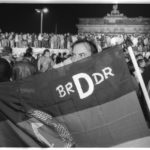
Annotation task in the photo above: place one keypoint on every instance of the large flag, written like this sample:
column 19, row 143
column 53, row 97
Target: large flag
column 94, row 99
column 25, row 126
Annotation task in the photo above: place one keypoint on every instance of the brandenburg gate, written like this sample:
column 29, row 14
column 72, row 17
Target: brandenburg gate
column 114, row 23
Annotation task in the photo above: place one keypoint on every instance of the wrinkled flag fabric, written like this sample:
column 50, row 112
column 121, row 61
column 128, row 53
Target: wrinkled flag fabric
column 90, row 103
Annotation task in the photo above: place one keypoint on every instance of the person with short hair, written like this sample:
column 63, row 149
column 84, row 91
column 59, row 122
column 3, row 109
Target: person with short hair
column 45, row 62
column 80, row 50
column 22, row 70
column 139, row 56
column 28, row 56
column 54, row 57
column 7, row 55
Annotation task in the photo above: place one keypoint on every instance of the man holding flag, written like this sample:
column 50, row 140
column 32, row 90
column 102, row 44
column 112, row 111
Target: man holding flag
column 89, row 103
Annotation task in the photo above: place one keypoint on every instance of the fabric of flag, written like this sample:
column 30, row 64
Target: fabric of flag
column 29, row 127
column 90, row 103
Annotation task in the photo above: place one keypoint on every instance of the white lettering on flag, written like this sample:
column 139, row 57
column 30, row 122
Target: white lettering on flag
column 61, row 91
column 96, row 75
column 98, row 78
column 69, row 88
column 107, row 71
column 90, row 90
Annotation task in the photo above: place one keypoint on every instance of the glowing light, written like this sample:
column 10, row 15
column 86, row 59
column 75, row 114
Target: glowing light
column 45, row 10
column 38, row 10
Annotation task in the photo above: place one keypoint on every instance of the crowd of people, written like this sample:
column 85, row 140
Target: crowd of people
column 17, row 68
column 64, row 41
column 24, row 40
column 26, row 65
column 140, row 44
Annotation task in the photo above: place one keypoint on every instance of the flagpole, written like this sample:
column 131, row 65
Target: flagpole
column 143, row 87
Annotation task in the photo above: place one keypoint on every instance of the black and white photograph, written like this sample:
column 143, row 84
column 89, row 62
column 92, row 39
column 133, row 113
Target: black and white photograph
column 74, row 74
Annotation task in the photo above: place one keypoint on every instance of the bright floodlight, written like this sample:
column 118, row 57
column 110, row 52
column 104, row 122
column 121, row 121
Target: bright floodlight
column 45, row 10
column 37, row 10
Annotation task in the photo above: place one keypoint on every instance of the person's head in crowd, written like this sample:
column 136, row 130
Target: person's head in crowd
column 5, row 70
column 59, row 54
column 44, row 63
column 7, row 54
column 141, row 63
column 59, row 58
column 82, row 49
column 127, row 59
column 54, row 56
column 23, row 70
column 27, row 56
column 29, row 50
column 131, row 67
column 38, row 56
column 46, row 53
column 140, row 47
column 139, row 56
column 128, row 42
column 65, row 55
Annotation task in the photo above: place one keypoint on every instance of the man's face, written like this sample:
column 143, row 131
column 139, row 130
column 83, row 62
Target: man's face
column 142, row 64
column 47, row 54
column 80, row 51
column 140, row 57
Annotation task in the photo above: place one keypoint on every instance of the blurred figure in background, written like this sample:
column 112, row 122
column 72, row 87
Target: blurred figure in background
column 28, row 56
column 45, row 62
column 5, row 70
column 7, row 55
column 22, row 70
column 54, row 58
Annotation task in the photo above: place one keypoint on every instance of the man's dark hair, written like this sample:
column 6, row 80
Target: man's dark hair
column 5, row 70
column 92, row 45
column 22, row 70
column 64, row 53
column 128, row 42
column 138, row 55
column 46, row 50
column 27, row 54
column 29, row 50
column 140, row 61
column 52, row 56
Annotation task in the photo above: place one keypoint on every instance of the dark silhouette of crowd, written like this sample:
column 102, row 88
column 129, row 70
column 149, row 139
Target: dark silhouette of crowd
column 12, row 68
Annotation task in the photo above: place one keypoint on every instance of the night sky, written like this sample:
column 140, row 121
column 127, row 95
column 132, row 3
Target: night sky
column 23, row 17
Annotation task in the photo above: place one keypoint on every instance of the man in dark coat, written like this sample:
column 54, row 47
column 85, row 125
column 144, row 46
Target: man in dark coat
column 5, row 70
